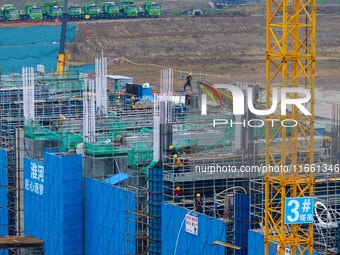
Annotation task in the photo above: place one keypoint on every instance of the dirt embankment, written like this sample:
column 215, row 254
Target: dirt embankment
column 233, row 46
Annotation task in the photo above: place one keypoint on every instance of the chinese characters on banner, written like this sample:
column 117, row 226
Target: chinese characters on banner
column 191, row 224
column 35, row 182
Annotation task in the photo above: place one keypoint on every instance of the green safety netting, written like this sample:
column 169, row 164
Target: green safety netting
column 140, row 153
column 144, row 131
column 69, row 141
column 36, row 131
column 117, row 128
column 90, row 68
column 100, row 149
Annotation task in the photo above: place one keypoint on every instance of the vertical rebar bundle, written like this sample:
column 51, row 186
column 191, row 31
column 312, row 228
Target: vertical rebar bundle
column 28, row 92
column 167, row 78
column 163, row 114
column 240, row 130
column 101, row 86
column 89, row 111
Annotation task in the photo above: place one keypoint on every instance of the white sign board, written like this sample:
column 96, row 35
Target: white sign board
column 191, row 225
column 287, row 250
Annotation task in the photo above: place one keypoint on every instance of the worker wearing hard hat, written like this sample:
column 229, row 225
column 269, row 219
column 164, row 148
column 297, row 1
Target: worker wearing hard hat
column 198, row 203
column 188, row 82
column 177, row 165
column 133, row 105
column 172, row 150
column 177, row 193
column 118, row 100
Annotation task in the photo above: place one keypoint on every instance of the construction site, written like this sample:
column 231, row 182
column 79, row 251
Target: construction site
column 176, row 135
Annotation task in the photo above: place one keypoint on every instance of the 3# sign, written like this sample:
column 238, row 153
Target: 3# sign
column 299, row 210
column 191, row 224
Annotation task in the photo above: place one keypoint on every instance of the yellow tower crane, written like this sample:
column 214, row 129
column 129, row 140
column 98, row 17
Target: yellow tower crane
column 290, row 62
column 64, row 56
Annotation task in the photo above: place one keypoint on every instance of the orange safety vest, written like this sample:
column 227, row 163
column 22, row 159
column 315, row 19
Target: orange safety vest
column 178, row 163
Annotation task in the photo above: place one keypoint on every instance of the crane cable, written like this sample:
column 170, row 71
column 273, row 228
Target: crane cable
column 178, row 71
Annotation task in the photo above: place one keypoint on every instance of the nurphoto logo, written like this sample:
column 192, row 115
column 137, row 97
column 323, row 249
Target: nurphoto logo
column 302, row 95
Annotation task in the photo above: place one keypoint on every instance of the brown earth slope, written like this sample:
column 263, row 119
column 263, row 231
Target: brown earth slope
column 230, row 46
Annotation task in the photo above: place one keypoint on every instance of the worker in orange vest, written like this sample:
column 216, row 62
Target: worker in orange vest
column 177, row 164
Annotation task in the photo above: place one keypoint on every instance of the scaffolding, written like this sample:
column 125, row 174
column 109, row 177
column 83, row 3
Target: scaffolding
column 13, row 90
column 116, row 139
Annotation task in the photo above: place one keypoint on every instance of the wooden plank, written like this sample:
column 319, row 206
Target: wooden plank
column 229, row 245
column 20, row 241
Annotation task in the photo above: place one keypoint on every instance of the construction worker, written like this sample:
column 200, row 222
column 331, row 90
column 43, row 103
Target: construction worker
column 198, row 203
column 118, row 100
column 61, row 119
column 177, row 193
column 188, row 82
column 132, row 101
column 188, row 100
column 327, row 145
column 172, row 150
column 177, row 165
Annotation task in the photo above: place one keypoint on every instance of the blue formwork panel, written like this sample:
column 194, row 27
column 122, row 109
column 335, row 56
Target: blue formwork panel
column 53, row 202
column 320, row 131
column 3, row 197
column 242, row 211
column 338, row 239
column 177, row 240
column 3, row 194
column 155, row 199
column 256, row 244
column 110, row 221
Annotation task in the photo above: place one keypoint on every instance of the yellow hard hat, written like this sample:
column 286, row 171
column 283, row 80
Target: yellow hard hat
column 190, row 74
column 118, row 96
column 178, row 188
column 171, row 147
column 133, row 107
column 198, row 195
column 175, row 156
column 133, row 97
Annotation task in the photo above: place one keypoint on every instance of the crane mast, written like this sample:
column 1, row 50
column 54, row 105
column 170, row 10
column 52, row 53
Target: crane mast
column 290, row 62
column 64, row 56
